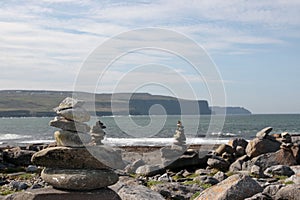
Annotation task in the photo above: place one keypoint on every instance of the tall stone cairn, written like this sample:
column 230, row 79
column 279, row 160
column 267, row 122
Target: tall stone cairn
column 179, row 136
column 79, row 163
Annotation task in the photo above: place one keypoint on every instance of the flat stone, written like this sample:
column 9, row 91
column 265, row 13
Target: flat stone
column 78, row 158
column 149, row 170
column 138, row 192
column 218, row 163
column 264, row 132
column 290, row 192
column 69, row 103
column 54, row 194
column 280, row 170
column 258, row 146
column 64, row 124
column 75, row 114
column 224, row 148
column 79, row 179
column 71, row 139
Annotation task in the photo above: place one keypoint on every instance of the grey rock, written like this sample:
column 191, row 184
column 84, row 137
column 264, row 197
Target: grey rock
column 255, row 170
column 296, row 169
column 202, row 171
column 218, row 163
column 295, row 179
column 260, row 196
column 271, row 190
column 238, row 164
column 17, row 185
column 264, row 132
column 64, row 124
column 69, row 103
column 131, row 168
column 96, row 157
column 149, row 170
column 170, row 154
column 71, row 139
column 79, row 179
column 224, row 148
column 75, row 114
column 289, row 192
column 220, row 176
column 238, row 142
column 32, row 168
column 17, row 156
column 54, row 194
column 138, row 192
column 206, row 180
column 258, row 146
column 237, row 187
column 165, row 178
column 280, row 170
column 240, row 151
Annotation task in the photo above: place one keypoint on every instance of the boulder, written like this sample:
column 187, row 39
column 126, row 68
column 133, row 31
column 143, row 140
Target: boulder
column 17, row 156
column 138, row 192
column 224, row 148
column 289, row 192
column 237, row 187
column 71, row 139
column 54, row 194
column 280, row 170
column 218, row 163
column 260, row 196
column 271, row 190
column 296, row 152
column 206, row 180
column 238, row 164
column 64, row 124
column 72, row 158
column 170, row 154
column 294, row 178
column 259, row 146
column 149, row 170
column 75, row 114
column 79, row 179
column 264, row 132
column 238, row 142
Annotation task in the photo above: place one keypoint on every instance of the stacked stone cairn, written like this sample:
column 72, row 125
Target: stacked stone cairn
column 179, row 136
column 76, row 164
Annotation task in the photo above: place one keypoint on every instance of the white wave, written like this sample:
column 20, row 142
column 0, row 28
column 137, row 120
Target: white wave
column 11, row 136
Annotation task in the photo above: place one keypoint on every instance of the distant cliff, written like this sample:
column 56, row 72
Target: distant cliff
column 27, row 103
column 216, row 110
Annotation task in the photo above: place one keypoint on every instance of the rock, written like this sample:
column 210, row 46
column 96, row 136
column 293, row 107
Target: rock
column 203, row 171
column 220, row 176
column 96, row 157
column 54, row 194
column 131, row 168
column 280, row 170
column 255, row 170
column 224, row 148
column 289, row 192
column 218, row 163
column 238, row 142
column 170, row 154
column 75, row 114
column 264, row 132
column 240, row 151
column 64, row 124
column 138, row 192
column 176, row 190
column 258, row 146
column 17, row 185
column 79, row 179
column 17, row 156
column 286, row 137
column 165, row 178
column 237, row 187
column 149, row 170
column 97, row 133
column 271, row 190
column 206, row 180
column 69, row 103
column 238, row 164
column 71, row 139
column 294, row 178
column 296, row 153
column 260, row 196
column 32, row 168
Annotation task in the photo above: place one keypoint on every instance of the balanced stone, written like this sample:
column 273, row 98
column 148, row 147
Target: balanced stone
column 97, row 133
column 79, row 179
column 68, row 138
column 64, row 124
column 78, row 158
column 264, row 132
column 75, row 114
column 69, row 103
column 179, row 134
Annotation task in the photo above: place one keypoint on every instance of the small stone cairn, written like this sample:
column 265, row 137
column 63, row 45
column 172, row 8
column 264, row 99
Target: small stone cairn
column 179, row 136
column 80, row 162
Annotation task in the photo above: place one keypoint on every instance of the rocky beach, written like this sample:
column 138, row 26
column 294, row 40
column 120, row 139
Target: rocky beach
column 79, row 166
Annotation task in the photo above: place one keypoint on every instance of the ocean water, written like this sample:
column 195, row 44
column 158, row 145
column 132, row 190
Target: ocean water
column 154, row 130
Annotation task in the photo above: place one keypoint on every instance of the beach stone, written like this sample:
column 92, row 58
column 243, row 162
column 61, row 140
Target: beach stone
column 79, row 158
column 17, row 156
column 294, row 178
column 218, row 163
column 79, row 179
column 271, row 190
column 296, row 152
column 289, row 192
column 64, row 124
column 220, row 176
column 32, row 168
column 264, row 132
column 149, row 170
column 224, row 148
column 170, row 154
column 286, row 137
column 206, row 180
column 234, row 143
column 240, row 151
column 71, row 139
column 260, row 196
column 131, row 168
column 258, row 146
column 69, row 103
column 54, row 194
column 238, row 164
column 237, row 187
column 18, row 185
column 75, row 114
column 280, row 170
column 133, row 192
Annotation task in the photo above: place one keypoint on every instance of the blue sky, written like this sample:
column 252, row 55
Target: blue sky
column 254, row 44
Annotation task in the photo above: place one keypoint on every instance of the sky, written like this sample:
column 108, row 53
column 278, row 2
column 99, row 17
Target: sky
column 249, row 48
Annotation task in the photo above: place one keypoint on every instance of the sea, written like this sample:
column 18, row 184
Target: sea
column 154, row 130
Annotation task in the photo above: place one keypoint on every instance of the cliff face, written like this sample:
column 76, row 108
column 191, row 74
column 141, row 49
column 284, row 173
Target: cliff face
column 20, row 103
column 230, row 111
